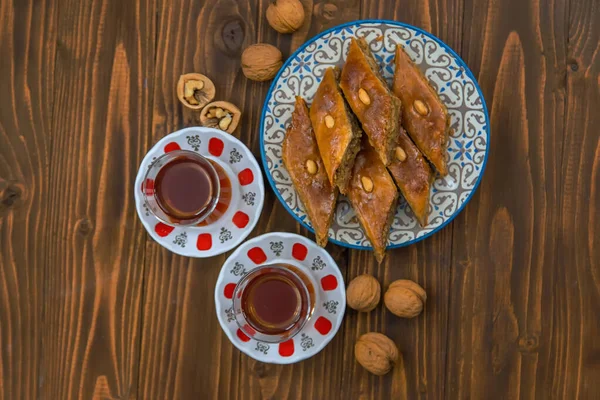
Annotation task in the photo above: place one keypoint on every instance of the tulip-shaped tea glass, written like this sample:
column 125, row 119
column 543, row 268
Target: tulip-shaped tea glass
column 182, row 188
column 272, row 303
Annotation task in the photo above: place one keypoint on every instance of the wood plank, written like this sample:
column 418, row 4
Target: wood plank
column 576, row 296
column 508, row 317
column 442, row 18
column 27, row 45
column 319, row 377
column 421, row 340
column 94, row 260
column 513, row 284
column 184, row 351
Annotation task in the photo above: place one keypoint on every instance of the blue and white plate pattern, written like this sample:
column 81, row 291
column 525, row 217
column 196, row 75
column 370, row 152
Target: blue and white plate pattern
column 448, row 74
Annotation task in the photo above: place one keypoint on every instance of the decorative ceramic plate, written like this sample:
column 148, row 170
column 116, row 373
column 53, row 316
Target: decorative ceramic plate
column 457, row 87
column 316, row 263
column 247, row 197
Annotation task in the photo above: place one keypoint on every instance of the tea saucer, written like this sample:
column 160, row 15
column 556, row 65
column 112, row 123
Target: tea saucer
column 248, row 193
column 316, row 263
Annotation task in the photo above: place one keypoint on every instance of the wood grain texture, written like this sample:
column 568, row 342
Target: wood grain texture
column 578, row 257
column 322, row 375
column 508, row 312
column 180, row 325
column 27, row 46
column 422, row 340
column 90, row 307
column 184, row 353
column 443, row 18
column 94, row 259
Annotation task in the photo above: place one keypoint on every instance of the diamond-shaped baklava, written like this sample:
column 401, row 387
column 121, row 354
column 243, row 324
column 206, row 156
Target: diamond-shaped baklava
column 413, row 175
column 371, row 99
column 374, row 197
column 304, row 164
column 424, row 116
column 337, row 131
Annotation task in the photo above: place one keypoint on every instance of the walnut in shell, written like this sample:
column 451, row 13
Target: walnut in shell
column 261, row 62
column 221, row 115
column 405, row 298
column 195, row 90
column 376, row 353
column 285, row 16
column 363, row 293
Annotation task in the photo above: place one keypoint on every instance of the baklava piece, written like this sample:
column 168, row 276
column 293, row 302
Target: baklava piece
column 337, row 131
column 374, row 197
column 371, row 99
column 413, row 175
column 305, row 166
column 425, row 117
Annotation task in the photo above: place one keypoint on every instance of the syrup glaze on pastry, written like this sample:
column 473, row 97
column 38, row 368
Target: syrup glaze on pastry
column 337, row 131
column 304, row 164
column 413, row 175
column 369, row 96
column 374, row 197
column 425, row 117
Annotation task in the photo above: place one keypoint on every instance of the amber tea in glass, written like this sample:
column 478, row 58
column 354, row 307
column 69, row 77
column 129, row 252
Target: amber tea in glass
column 182, row 187
column 272, row 303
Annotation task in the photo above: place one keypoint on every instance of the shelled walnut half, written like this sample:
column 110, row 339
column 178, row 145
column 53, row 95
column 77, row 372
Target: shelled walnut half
column 221, row 115
column 195, row 90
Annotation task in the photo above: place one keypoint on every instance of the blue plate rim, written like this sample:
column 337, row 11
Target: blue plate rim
column 460, row 62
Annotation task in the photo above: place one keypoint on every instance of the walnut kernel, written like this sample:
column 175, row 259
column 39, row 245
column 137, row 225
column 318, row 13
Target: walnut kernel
column 195, row 90
column 221, row 115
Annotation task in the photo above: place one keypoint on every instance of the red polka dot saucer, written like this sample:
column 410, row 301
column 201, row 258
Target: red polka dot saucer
column 316, row 264
column 231, row 223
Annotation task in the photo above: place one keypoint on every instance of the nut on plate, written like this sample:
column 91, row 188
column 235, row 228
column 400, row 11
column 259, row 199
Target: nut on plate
column 376, row 352
column 195, row 90
column 421, row 108
column 221, row 115
column 329, row 121
column 400, row 154
column 363, row 293
column 364, row 96
column 261, row 62
column 311, row 167
column 285, row 16
column 405, row 298
column 367, row 184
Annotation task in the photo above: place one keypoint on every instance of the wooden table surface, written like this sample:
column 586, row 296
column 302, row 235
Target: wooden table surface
column 91, row 307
